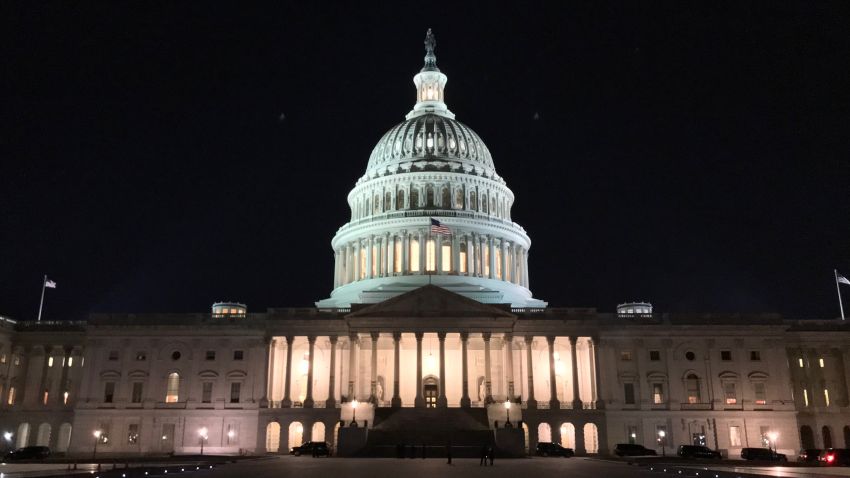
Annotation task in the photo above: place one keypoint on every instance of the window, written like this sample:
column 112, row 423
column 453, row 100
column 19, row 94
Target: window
column 657, row 393
column 760, row 393
column 805, row 397
column 446, row 258
column 113, row 355
column 765, row 436
column 413, row 256
column 820, row 362
column 632, row 434
column 175, row 355
column 485, row 258
column 16, row 360
column 45, row 396
column 690, row 355
column 108, row 392
column 462, row 258
column 397, row 255
column 730, row 393
column 237, row 355
column 133, row 434
column 430, row 256
column 826, row 396
column 726, row 355
column 800, row 362
column 626, row 355
column 65, row 398
column 70, row 362
column 693, row 388
column 755, row 355
column 49, row 361
column 172, row 388
column 629, row 392
column 206, row 394
column 2, row 358
column 11, row 399
column 141, row 356
column 661, row 435
column 654, row 355
column 136, row 397
column 210, row 355
column 734, row 436
column 235, row 388
column 498, row 262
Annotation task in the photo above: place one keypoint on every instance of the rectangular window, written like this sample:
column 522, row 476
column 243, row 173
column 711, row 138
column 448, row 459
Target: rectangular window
column 210, row 355
column 108, row 392
column 661, row 435
column 462, row 259
column 760, row 393
column 137, row 392
column 826, row 396
column 805, row 397
column 726, row 355
column 206, row 395
column 430, row 256
column 49, row 361
column 113, row 355
column 657, row 393
column 397, row 255
column 765, row 436
column 133, row 434
column 70, row 362
column 446, row 258
column 103, row 439
column 734, row 436
column 16, row 360
column 65, row 398
column 237, row 355
column 413, row 255
column 498, row 263
column 141, row 356
column 626, row 355
column 485, row 259
column 374, row 265
column 800, row 362
column 11, row 399
column 730, row 393
column 755, row 355
column 820, row 362
column 45, row 396
column 654, row 355
column 3, row 358
column 629, row 391
column 235, row 388
column 362, row 253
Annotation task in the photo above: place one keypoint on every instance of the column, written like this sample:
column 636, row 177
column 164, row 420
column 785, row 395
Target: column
column 369, row 257
column 373, row 369
column 470, row 256
column 525, row 268
column 475, row 269
column 488, row 385
column 405, row 253
column 357, row 252
column 553, row 386
column 531, row 402
column 464, row 399
column 308, row 400
column 456, row 254
column 422, row 248
column 352, row 366
column 491, row 244
column 396, row 400
column 594, row 357
column 509, row 364
column 269, row 390
column 287, row 400
column 442, row 401
column 331, row 401
column 574, row 368
column 438, row 254
column 504, row 259
column 391, row 258
column 419, row 401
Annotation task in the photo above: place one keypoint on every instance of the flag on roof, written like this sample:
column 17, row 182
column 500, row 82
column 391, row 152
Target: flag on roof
column 439, row 228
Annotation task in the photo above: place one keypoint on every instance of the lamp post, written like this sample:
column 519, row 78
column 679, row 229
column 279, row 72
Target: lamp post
column 354, row 404
column 772, row 436
column 508, row 411
column 8, row 437
column 202, row 434
column 97, row 434
column 661, row 440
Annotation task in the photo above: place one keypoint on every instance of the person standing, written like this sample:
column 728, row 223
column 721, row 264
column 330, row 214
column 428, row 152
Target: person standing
column 491, row 452
column 483, row 452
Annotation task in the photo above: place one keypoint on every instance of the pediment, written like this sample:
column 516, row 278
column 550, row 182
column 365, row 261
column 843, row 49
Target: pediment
column 433, row 302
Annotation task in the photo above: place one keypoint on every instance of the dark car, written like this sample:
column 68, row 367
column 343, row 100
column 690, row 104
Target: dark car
column 835, row 457
column 631, row 449
column 28, row 453
column 697, row 451
column 810, row 454
column 315, row 448
column 762, row 454
column 553, row 449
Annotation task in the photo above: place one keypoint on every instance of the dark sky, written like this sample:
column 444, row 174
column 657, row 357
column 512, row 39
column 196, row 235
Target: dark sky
column 695, row 156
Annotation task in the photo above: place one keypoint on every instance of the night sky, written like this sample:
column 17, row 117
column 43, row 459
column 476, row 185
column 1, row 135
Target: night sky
column 160, row 157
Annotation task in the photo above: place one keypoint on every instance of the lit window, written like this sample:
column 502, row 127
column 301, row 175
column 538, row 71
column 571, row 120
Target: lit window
column 805, row 397
column 498, row 263
column 657, row 393
column 414, row 255
column 45, row 396
column 3, row 358
column 65, row 398
column 172, row 388
column 11, row 399
column 485, row 257
column 760, row 393
column 730, row 393
column 446, row 258
column 820, row 362
column 430, row 256
column 826, row 396
column 800, row 362
column 462, row 258
column 362, row 254
column 374, row 266
column 397, row 256
column 49, row 361
column 626, row 355
column 63, row 361
column 133, row 434
column 16, row 360
column 70, row 361
column 735, row 436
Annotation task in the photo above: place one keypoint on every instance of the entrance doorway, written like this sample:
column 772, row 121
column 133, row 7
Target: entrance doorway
column 430, row 390
column 167, row 441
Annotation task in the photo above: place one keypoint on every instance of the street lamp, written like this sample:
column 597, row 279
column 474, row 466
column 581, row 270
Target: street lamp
column 97, row 434
column 661, row 435
column 772, row 436
column 508, row 411
column 8, row 437
column 202, row 434
column 354, row 404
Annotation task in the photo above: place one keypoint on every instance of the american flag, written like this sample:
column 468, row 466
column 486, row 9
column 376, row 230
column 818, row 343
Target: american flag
column 439, row 228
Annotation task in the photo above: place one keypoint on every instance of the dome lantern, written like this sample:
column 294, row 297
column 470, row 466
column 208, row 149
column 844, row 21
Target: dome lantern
column 430, row 84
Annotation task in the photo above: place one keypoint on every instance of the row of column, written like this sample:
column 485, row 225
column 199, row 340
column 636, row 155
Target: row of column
column 386, row 255
column 419, row 400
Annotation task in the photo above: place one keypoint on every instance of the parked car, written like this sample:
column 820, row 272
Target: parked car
column 631, row 449
column 28, row 453
column 553, row 449
column 762, row 454
column 810, row 454
column 835, row 457
column 319, row 448
column 697, row 451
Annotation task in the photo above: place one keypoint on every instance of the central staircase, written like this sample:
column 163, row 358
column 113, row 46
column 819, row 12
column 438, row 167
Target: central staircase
column 465, row 428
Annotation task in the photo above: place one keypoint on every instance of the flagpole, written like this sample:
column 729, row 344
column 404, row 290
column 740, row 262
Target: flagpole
column 41, row 303
column 838, row 288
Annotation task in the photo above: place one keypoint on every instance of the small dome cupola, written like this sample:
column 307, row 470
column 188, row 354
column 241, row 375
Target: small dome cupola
column 430, row 84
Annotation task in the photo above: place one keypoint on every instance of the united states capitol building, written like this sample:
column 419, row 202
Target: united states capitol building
column 431, row 333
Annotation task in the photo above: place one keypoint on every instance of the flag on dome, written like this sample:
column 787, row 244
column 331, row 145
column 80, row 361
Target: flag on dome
column 52, row 284
column 840, row 278
column 439, row 228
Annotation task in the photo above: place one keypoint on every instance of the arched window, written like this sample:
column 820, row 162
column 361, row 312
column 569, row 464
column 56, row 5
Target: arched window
column 430, row 256
column 429, row 195
column 172, row 393
column 376, row 204
column 23, row 435
column 414, row 198
column 272, row 437
column 43, row 437
column 366, row 209
column 399, row 200
column 484, row 203
column 493, row 205
column 473, row 201
column 462, row 258
column 446, row 200
column 459, row 199
column 827, row 437
column 807, row 437
column 413, row 255
column 568, row 435
column 591, row 440
column 693, row 388
column 64, row 439
column 388, row 201
column 397, row 255
column 544, row 433
column 296, row 434
column 318, row 432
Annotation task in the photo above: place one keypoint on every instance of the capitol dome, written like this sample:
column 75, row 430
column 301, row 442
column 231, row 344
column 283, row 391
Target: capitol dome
column 431, row 209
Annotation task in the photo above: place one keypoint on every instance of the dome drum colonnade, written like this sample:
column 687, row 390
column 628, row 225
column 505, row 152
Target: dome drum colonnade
column 431, row 166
